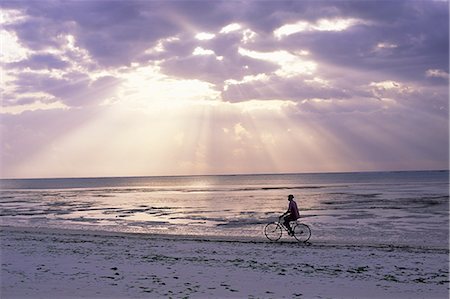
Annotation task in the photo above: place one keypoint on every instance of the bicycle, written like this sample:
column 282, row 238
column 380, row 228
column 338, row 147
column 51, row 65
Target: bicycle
column 274, row 231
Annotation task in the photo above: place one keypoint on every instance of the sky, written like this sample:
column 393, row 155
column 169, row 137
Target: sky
column 131, row 88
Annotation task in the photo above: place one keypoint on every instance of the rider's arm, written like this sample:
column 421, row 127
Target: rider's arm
column 285, row 213
column 289, row 210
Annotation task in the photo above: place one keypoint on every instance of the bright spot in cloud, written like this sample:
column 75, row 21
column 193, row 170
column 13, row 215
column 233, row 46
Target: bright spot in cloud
column 160, row 45
column 146, row 87
column 289, row 29
column 158, row 48
column 334, row 25
column 10, row 49
column 318, row 81
column 290, row 64
column 265, row 105
column 303, row 52
column 10, row 16
column 248, row 35
column 204, row 36
column 436, row 73
column 38, row 105
column 386, row 45
column 240, row 132
column 385, row 84
column 320, row 25
column 202, row 51
column 246, row 79
column 230, row 28
column 316, row 100
column 387, row 91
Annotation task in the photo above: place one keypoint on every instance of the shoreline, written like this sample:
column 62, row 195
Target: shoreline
column 42, row 263
column 220, row 239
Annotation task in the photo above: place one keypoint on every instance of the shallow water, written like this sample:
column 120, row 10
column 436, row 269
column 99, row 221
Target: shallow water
column 398, row 208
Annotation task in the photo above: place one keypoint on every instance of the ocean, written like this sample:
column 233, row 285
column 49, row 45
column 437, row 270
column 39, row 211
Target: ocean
column 405, row 208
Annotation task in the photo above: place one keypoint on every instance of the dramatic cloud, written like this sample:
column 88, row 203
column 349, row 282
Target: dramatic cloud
column 353, row 85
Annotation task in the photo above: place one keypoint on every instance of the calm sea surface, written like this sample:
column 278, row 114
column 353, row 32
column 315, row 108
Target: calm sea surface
column 398, row 208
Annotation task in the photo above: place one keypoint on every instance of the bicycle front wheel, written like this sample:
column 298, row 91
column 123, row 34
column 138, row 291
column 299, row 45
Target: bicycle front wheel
column 273, row 231
column 302, row 232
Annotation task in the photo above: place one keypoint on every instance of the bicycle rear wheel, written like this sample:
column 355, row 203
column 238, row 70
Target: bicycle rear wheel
column 302, row 232
column 273, row 231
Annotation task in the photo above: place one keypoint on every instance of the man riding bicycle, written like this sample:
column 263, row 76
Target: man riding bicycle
column 291, row 214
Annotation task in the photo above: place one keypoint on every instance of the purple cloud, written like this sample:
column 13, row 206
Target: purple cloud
column 294, row 89
column 41, row 61
column 74, row 90
column 378, row 83
column 118, row 32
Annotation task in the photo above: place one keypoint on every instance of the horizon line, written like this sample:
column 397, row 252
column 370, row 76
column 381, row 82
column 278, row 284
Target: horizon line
column 221, row 174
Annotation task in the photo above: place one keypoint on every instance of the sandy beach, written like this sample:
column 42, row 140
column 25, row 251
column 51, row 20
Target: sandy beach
column 44, row 263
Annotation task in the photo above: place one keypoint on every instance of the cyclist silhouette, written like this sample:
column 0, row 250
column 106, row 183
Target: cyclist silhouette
column 291, row 214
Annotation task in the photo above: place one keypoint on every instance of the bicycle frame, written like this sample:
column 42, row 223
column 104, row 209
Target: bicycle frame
column 274, row 230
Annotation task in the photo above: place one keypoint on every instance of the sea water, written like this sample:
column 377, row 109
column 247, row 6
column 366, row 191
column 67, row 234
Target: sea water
column 379, row 208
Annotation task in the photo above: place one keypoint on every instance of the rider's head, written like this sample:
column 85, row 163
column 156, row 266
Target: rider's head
column 290, row 197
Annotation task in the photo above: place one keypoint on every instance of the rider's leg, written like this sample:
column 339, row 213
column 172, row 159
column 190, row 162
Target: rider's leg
column 287, row 219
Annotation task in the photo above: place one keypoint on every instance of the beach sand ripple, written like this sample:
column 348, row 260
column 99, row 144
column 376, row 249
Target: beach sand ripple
column 74, row 264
